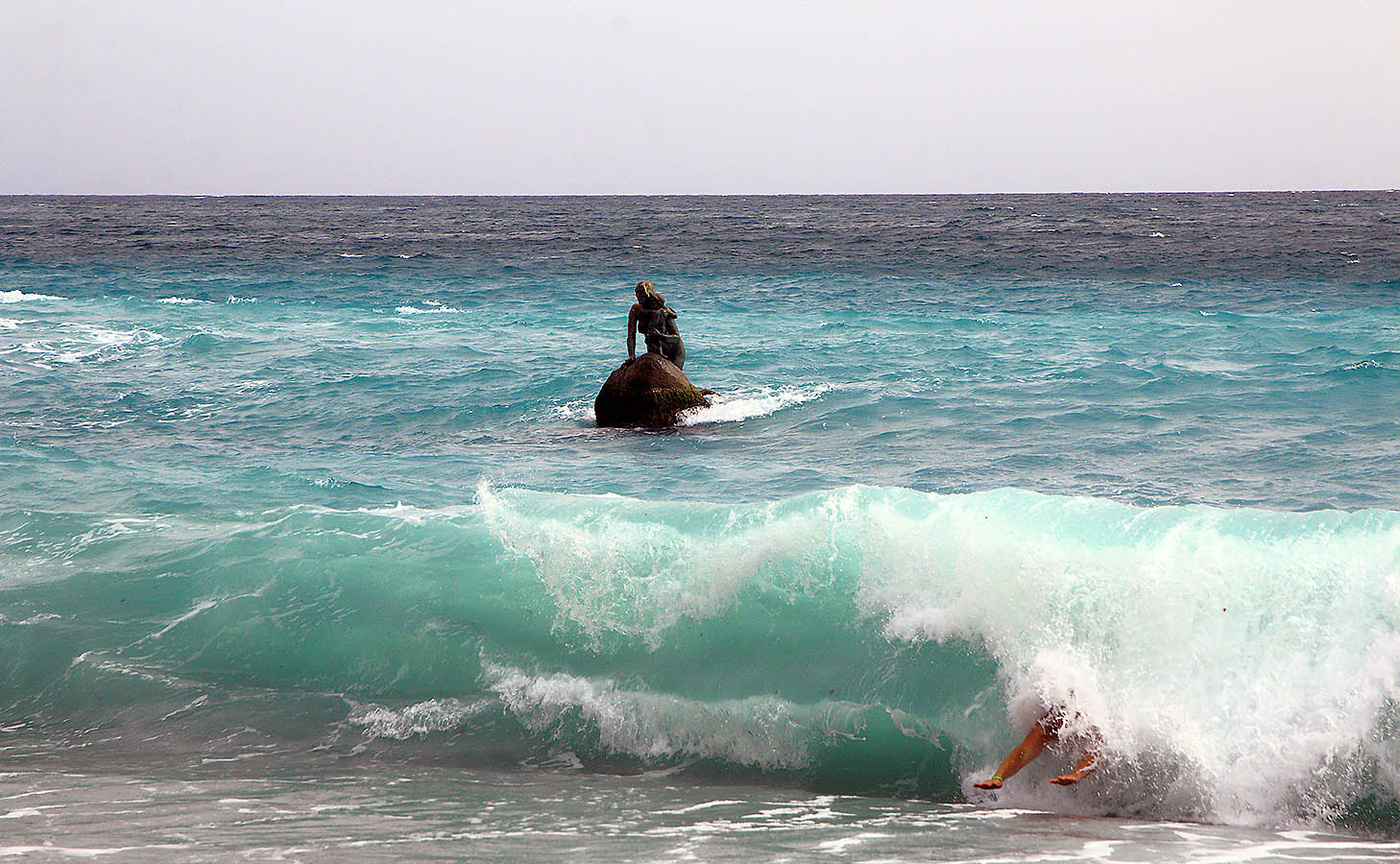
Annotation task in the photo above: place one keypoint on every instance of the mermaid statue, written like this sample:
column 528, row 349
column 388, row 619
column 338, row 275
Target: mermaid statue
column 657, row 321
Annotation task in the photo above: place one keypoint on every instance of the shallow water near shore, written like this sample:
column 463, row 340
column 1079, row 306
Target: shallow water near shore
column 303, row 512
column 408, row 813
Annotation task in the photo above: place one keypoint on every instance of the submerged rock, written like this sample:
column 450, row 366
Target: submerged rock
column 649, row 391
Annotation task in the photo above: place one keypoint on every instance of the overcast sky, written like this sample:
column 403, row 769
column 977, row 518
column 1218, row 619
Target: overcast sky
column 670, row 96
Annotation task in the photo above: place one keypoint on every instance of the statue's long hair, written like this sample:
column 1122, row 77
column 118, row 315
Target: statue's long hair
column 648, row 296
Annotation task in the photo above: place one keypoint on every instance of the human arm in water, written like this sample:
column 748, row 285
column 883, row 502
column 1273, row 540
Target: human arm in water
column 1024, row 753
column 1045, row 730
column 632, row 316
column 1085, row 767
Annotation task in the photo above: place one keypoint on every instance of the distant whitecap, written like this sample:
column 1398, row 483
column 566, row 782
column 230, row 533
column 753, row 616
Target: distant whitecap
column 21, row 296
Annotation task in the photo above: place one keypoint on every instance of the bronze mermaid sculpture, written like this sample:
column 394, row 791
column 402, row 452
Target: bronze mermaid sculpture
column 657, row 321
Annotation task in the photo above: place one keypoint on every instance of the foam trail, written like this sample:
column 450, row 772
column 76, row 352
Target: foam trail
column 742, row 405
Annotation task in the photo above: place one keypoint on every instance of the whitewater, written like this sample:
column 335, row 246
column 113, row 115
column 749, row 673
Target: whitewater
column 309, row 546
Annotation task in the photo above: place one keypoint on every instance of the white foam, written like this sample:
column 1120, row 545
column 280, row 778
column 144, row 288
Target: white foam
column 180, row 301
column 77, row 343
column 197, row 702
column 22, row 297
column 739, row 405
column 1242, row 661
column 423, row 718
column 704, row 805
column 198, row 609
column 617, row 573
column 760, row 731
column 49, row 850
column 729, row 407
column 40, row 618
column 577, row 411
column 1237, row 643
column 430, row 310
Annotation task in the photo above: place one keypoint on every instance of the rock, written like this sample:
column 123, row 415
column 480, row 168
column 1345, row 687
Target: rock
column 649, row 391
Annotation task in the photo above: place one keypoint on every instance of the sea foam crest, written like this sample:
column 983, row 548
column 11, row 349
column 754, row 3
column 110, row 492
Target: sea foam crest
column 23, row 297
column 612, row 567
column 429, row 307
column 420, row 719
column 1256, row 653
column 759, row 731
column 1255, row 647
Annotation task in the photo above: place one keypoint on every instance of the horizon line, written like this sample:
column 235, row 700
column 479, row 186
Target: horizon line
column 1301, row 191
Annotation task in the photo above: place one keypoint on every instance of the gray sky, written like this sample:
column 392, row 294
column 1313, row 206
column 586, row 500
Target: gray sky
column 672, row 96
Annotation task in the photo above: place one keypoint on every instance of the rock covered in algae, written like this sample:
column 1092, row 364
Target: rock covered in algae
column 650, row 391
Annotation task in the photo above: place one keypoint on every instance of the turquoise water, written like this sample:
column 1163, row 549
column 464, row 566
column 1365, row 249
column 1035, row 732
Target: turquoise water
column 295, row 480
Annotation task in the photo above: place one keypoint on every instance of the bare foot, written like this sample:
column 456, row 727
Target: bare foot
column 992, row 783
column 1068, row 779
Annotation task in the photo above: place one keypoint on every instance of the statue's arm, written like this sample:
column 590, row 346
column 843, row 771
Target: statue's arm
column 632, row 332
column 671, row 322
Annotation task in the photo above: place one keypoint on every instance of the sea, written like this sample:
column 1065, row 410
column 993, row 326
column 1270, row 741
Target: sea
column 311, row 549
